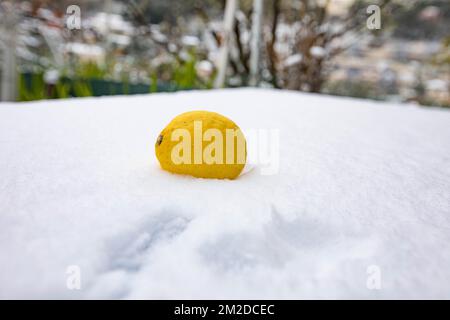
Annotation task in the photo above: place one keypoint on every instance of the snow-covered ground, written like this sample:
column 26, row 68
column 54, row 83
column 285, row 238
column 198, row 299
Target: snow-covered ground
column 362, row 198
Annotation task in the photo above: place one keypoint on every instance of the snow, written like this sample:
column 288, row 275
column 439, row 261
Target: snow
column 190, row 41
column 51, row 76
column 317, row 52
column 103, row 22
column 293, row 60
column 362, row 187
column 437, row 85
column 83, row 49
column 204, row 68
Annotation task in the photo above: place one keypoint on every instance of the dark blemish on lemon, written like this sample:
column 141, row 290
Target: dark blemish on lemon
column 159, row 140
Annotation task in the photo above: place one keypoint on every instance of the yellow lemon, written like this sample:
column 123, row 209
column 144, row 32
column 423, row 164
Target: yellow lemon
column 202, row 144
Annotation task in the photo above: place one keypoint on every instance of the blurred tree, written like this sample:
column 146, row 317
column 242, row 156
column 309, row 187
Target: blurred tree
column 443, row 56
column 421, row 19
column 312, row 35
column 169, row 11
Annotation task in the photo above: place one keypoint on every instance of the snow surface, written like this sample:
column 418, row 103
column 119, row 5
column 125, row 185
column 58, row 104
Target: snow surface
column 360, row 184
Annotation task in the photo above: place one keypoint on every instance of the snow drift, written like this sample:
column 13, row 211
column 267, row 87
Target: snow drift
column 362, row 191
